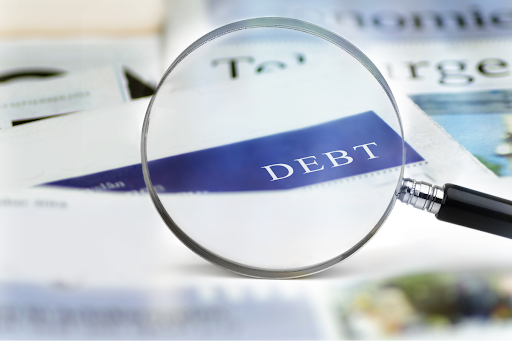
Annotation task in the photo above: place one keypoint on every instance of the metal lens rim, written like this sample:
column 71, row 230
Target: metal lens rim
column 267, row 22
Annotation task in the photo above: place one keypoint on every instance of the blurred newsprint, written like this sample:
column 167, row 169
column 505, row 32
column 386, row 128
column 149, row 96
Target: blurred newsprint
column 85, row 255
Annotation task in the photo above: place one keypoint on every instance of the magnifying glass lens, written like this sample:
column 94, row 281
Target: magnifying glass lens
column 273, row 152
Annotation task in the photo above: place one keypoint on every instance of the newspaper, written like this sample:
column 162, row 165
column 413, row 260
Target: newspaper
column 96, row 262
column 76, row 91
column 80, row 61
column 434, row 51
column 373, row 20
column 90, row 147
column 116, row 261
column 115, row 271
column 463, row 86
column 362, row 22
column 200, row 123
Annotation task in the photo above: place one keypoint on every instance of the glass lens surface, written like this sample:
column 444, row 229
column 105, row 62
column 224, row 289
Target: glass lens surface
column 272, row 152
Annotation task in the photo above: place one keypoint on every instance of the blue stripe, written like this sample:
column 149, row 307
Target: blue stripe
column 239, row 166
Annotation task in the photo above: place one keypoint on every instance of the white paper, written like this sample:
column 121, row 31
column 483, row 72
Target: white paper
column 362, row 22
column 433, row 48
column 77, row 264
column 464, row 86
column 76, row 91
column 90, row 142
column 77, row 240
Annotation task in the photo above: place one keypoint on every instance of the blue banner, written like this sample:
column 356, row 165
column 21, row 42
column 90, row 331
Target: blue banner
column 349, row 146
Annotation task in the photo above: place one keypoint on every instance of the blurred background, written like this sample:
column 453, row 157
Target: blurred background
column 92, row 259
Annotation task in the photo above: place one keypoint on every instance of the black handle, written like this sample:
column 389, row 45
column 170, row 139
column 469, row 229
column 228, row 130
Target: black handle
column 476, row 210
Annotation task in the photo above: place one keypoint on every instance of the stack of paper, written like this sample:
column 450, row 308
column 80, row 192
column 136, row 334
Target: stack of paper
column 84, row 253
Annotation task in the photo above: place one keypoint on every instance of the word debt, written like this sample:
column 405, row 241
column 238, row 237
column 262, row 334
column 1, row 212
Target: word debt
column 338, row 158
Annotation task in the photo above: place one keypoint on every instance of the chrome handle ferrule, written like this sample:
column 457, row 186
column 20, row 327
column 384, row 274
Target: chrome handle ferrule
column 421, row 195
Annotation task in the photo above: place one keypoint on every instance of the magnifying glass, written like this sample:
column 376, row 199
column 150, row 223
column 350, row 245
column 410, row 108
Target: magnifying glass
column 276, row 163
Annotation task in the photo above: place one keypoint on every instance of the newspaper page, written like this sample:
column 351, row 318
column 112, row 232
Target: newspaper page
column 464, row 86
column 77, row 148
column 83, row 259
column 92, row 148
column 76, row 91
column 465, row 46
column 361, row 22
column 96, row 265
column 367, row 23
column 79, row 61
